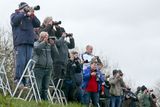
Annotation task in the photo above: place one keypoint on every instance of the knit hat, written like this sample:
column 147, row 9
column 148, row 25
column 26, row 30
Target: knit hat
column 22, row 5
column 115, row 71
column 143, row 88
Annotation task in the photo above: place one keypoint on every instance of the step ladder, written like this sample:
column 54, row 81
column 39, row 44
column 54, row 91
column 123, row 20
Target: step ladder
column 58, row 93
column 4, row 83
column 31, row 91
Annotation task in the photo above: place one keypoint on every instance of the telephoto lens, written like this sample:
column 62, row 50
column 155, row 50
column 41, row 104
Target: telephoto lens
column 36, row 7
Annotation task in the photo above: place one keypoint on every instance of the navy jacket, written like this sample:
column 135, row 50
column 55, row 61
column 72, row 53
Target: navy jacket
column 22, row 28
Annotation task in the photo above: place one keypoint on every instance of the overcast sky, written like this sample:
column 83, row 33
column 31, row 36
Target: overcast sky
column 126, row 31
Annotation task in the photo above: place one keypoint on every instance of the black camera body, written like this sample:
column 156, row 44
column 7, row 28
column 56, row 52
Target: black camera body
column 98, row 77
column 52, row 37
column 86, row 61
column 69, row 34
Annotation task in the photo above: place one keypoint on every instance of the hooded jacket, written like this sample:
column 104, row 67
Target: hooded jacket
column 22, row 28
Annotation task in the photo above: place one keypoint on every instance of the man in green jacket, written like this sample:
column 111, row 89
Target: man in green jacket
column 44, row 63
column 144, row 97
column 117, row 84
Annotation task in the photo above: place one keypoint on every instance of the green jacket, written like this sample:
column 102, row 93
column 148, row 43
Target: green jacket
column 117, row 85
column 42, row 54
column 144, row 100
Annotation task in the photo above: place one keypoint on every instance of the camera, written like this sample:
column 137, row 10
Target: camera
column 57, row 22
column 69, row 34
column 27, row 9
column 97, row 76
column 86, row 61
column 52, row 37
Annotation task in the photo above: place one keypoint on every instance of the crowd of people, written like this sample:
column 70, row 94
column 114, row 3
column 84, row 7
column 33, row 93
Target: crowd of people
column 84, row 80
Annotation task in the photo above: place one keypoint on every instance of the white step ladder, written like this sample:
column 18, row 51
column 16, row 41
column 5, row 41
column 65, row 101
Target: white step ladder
column 58, row 94
column 33, row 91
column 4, row 83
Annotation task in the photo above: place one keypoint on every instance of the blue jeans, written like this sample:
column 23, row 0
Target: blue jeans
column 115, row 101
column 43, row 76
column 93, row 96
column 23, row 55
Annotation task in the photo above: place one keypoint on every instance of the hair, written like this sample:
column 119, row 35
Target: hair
column 88, row 46
column 42, row 35
column 115, row 71
column 47, row 19
column 74, row 52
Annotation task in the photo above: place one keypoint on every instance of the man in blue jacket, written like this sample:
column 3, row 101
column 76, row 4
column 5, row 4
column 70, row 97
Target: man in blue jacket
column 23, row 22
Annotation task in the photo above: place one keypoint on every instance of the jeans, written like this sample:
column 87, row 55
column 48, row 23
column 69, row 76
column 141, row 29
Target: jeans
column 43, row 76
column 104, row 102
column 115, row 101
column 93, row 96
column 23, row 55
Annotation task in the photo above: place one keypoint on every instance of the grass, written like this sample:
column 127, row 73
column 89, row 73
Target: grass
column 10, row 102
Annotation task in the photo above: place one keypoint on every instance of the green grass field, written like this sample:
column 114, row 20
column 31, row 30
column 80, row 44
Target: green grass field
column 10, row 102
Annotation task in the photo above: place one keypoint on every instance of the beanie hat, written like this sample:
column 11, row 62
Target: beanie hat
column 143, row 88
column 115, row 72
column 22, row 5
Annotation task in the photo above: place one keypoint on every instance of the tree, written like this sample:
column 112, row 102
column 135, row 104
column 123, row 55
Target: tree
column 6, row 51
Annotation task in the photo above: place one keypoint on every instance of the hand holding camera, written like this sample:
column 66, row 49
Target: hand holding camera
column 93, row 73
column 69, row 35
column 45, row 39
column 64, row 34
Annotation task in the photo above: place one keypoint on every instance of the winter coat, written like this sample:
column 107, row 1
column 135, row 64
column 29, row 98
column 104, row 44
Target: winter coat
column 49, row 29
column 22, row 28
column 117, row 85
column 87, row 75
column 73, row 67
column 63, row 47
column 42, row 54
column 144, row 100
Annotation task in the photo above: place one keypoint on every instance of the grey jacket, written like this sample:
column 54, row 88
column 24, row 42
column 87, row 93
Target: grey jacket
column 116, row 86
column 42, row 54
column 63, row 47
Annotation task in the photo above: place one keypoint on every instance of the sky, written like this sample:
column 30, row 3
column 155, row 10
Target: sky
column 127, row 32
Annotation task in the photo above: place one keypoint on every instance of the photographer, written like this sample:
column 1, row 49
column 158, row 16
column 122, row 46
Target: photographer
column 60, row 61
column 73, row 78
column 144, row 97
column 91, row 85
column 23, row 22
column 48, row 26
column 117, row 84
column 44, row 63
